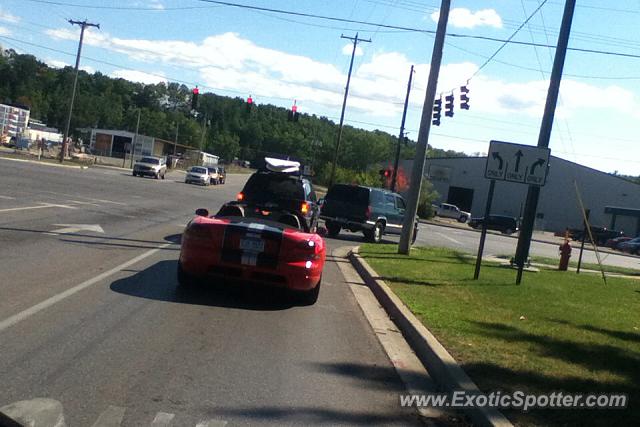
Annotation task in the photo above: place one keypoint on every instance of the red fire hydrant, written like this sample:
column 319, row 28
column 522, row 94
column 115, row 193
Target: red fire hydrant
column 565, row 254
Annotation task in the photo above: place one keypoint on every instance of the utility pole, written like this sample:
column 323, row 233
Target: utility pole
column 531, row 204
column 135, row 138
column 423, row 135
column 175, row 142
column 394, row 176
column 204, row 131
column 344, row 103
column 83, row 25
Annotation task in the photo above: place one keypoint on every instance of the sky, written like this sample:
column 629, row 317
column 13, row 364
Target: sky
column 278, row 58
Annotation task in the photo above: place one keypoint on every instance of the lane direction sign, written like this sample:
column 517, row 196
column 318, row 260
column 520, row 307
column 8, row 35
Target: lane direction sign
column 520, row 163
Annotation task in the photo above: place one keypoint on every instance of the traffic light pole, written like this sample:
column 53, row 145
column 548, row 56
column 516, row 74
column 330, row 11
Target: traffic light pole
column 344, row 104
column 423, row 135
column 83, row 25
column 531, row 205
column 394, row 177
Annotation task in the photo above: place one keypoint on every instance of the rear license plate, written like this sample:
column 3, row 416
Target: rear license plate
column 253, row 245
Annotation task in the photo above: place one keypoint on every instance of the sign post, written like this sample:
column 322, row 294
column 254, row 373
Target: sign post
column 506, row 161
column 483, row 235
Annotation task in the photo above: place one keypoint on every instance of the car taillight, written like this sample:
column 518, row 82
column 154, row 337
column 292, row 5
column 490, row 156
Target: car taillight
column 310, row 248
column 304, row 208
column 240, row 196
column 367, row 213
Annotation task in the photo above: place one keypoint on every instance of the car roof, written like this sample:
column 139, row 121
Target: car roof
column 384, row 190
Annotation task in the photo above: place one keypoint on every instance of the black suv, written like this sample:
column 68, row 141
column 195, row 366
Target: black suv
column 374, row 211
column 501, row 223
column 272, row 195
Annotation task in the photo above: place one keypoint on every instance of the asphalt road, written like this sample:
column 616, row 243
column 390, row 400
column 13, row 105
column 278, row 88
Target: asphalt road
column 91, row 319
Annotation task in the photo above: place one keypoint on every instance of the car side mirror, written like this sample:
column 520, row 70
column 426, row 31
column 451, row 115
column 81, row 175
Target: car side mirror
column 202, row 212
column 322, row 231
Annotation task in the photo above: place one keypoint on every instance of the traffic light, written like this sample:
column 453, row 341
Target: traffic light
column 194, row 98
column 293, row 113
column 249, row 103
column 448, row 106
column 437, row 108
column 464, row 98
column 385, row 173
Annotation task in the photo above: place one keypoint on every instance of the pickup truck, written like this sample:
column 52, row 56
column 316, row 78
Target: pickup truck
column 446, row 210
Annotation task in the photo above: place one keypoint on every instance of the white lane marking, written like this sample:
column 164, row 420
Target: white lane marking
column 212, row 423
column 162, row 419
column 451, row 239
column 7, row 198
column 78, row 202
column 41, row 206
column 111, row 417
column 86, row 198
column 16, row 318
column 36, row 412
column 74, row 228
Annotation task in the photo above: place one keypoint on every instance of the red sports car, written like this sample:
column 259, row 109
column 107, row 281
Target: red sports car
column 233, row 247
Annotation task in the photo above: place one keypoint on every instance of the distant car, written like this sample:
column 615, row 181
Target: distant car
column 600, row 234
column 275, row 188
column 616, row 241
column 150, row 166
column 447, row 210
column 198, row 175
column 373, row 211
column 502, row 223
column 216, row 175
column 632, row 246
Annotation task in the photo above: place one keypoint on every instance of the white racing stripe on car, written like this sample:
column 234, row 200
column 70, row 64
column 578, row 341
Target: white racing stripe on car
column 256, row 226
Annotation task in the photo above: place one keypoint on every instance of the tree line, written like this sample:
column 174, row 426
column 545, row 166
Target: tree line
column 233, row 129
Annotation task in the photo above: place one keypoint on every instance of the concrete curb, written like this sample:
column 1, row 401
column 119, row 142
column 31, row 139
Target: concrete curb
column 57, row 165
column 549, row 242
column 440, row 364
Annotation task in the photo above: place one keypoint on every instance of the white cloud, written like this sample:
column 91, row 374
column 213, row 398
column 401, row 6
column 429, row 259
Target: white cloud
column 156, row 4
column 7, row 17
column 4, row 31
column 56, row 63
column 461, row 17
column 347, row 49
column 138, row 76
column 229, row 62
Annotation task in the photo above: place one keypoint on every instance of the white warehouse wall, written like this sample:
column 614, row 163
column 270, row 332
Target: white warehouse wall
column 558, row 202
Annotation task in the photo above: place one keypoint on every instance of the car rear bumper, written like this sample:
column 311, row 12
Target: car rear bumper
column 288, row 275
column 349, row 225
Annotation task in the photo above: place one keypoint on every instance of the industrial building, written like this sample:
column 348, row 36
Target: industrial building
column 613, row 202
column 14, row 120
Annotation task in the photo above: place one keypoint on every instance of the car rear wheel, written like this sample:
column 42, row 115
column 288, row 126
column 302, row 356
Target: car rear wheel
column 185, row 280
column 333, row 229
column 463, row 218
column 375, row 234
column 309, row 297
column 508, row 231
column 415, row 234
column 162, row 176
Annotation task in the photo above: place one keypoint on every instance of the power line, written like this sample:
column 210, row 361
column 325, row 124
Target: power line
column 141, row 8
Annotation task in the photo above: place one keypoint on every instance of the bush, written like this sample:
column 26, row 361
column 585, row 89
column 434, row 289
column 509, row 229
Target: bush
column 427, row 196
